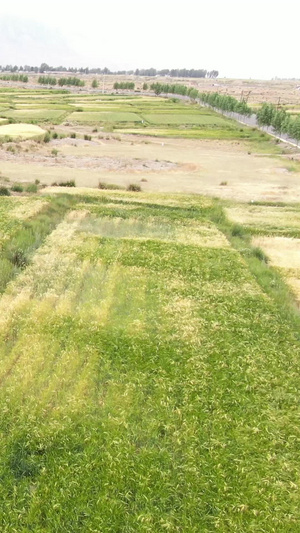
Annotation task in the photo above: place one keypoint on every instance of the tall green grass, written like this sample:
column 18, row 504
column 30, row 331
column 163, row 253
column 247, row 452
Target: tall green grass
column 147, row 385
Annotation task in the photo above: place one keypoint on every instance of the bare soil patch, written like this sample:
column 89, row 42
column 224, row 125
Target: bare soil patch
column 216, row 168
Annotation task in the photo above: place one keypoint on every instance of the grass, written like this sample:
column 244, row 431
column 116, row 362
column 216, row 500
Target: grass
column 87, row 117
column 184, row 118
column 148, row 381
column 266, row 219
column 21, row 131
column 36, row 115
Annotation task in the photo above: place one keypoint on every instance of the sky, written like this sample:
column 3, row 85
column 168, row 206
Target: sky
column 240, row 39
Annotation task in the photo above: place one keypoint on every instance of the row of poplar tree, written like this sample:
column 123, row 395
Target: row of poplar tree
column 267, row 115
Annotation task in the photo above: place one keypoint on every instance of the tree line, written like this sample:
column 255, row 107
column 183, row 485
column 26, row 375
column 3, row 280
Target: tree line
column 178, row 73
column 50, row 80
column 129, row 85
column 279, row 119
column 267, row 115
column 15, row 77
column 173, row 73
column 176, row 88
column 225, row 102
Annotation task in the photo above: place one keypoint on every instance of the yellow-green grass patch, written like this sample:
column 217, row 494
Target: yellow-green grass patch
column 185, row 118
column 21, row 131
column 192, row 233
column 265, row 217
column 14, row 210
column 284, row 254
column 104, row 117
column 35, row 115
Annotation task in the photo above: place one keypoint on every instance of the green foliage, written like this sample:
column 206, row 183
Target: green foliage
column 95, row 84
column 32, row 188
column 125, row 85
column 25, row 238
column 15, row 77
column 4, row 191
column 47, row 80
column 47, row 137
column 164, row 384
column 70, row 183
column 225, row 102
column 109, row 186
column 17, row 188
column 282, row 122
column 134, row 187
column 71, row 80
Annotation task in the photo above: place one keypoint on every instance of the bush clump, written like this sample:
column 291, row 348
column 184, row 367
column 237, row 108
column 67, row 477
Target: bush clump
column 4, row 191
column 70, row 183
column 134, row 187
column 17, row 188
column 237, row 231
column 109, row 186
column 32, row 188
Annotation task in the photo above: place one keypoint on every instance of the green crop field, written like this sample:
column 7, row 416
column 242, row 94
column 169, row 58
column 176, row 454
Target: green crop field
column 149, row 376
column 181, row 118
column 35, row 115
column 119, row 111
column 104, row 116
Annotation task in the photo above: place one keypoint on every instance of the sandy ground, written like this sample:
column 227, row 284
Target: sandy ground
column 216, row 168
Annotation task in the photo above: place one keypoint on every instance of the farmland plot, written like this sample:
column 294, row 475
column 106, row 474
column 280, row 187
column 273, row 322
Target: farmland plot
column 148, row 383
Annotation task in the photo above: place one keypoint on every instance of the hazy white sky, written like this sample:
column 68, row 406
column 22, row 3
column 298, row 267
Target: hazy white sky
column 255, row 38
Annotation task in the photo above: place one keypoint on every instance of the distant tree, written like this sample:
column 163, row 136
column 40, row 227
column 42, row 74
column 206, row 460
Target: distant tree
column 145, row 86
column 44, row 67
column 95, row 84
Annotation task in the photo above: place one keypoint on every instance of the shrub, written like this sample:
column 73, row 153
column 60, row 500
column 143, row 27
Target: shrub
column 31, row 188
column 73, row 135
column 17, row 188
column 237, row 231
column 109, row 186
column 134, row 187
column 47, row 137
column 54, row 152
column 4, row 191
column 259, row 254
column 18, row 258
column 87, row 137
column 54, row 135
column 70, row 183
